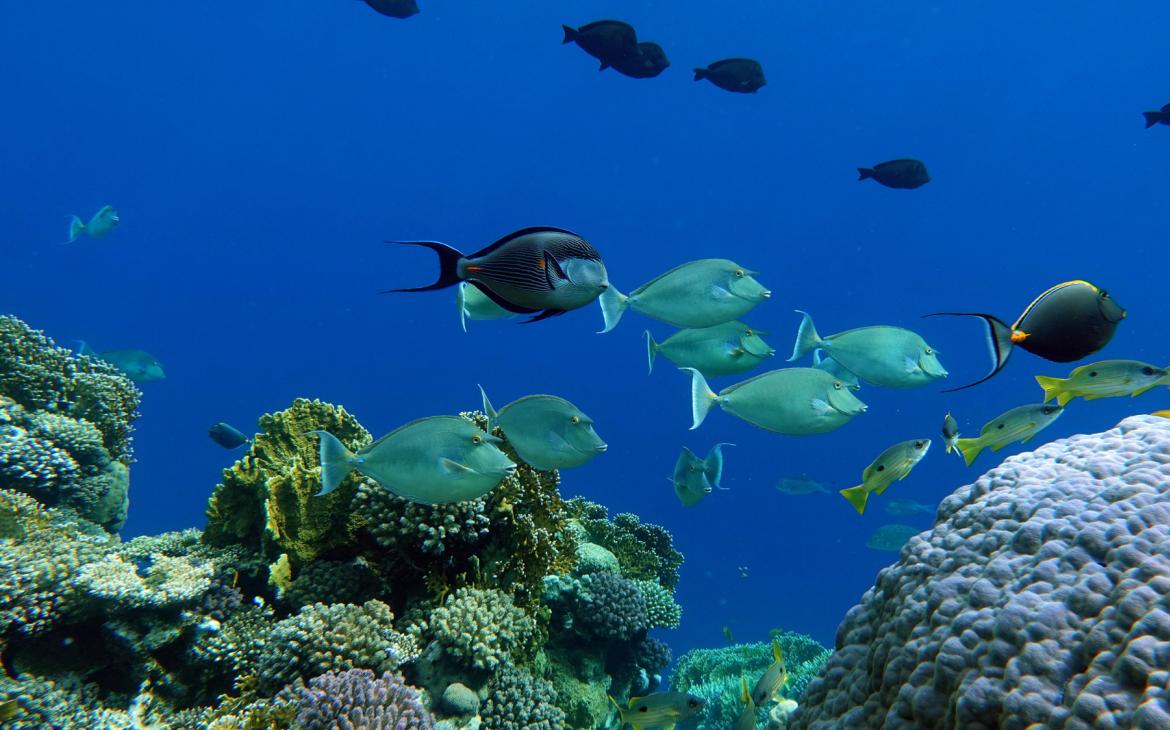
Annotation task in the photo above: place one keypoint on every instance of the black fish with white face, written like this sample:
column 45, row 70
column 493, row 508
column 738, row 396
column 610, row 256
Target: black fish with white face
column 227, row 436
column 541, row 270
column 649, row 61
column 609, row 41
column 1159, row 117
column 394, row 8
column 741, row 75
column 903, row 174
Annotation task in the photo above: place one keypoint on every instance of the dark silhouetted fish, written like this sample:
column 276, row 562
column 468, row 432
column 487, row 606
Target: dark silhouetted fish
column 647, row 62
column 742, row 75
column 394, row 8
column 541, row 270
column 227, row 436
column 903, row 174
column 609, row 41
column 1159, row 117
column 1068, row 322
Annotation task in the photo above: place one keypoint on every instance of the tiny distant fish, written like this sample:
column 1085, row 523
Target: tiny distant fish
column 1159, row 117
column 950, row 431
column 727, row 634
column 103, row 221
column 907, row 508
column 434, row 460
column 695, row 478
column 547, row 432
column 646, row 62
column 227, row 436
column 747, row 716
column 1105, row 379
column 139, row 366
column 695, row 294
column 394, row 8
column 722, row 349
column 1068, row 322
column 792, row 401
column 891, row 357
column 609, row 41
column 1019, row 424
column 742, row 75
column 801, row 485
column 891, row 538
column 893, row 464
column 474, row 304
column 902, row 174
column 774, row 677
column 661, row 709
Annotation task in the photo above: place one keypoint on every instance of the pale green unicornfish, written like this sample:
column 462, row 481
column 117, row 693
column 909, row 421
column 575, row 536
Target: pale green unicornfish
column 1105, row 379
column 139, row 366
column 695, row 478
column 546, row 431
column 792, row 401
column 834, row 368
column 696, row 294
column 774, row 677
column 474, row 304
column 891, row 357
column 723, row 349
column 1019, row 424
column 102, row 222
column 434, row 460
column 659, row 710
column 893, row 464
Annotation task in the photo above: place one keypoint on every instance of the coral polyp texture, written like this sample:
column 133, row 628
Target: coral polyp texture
column 1040, row 598
column 482, row 628
column 357, row 699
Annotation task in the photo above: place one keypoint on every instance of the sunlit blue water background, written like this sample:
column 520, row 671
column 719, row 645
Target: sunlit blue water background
column 259, row 153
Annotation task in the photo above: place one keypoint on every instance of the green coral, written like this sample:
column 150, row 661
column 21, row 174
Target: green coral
column 645, row 551
column 268, row 499
column 662, row 611
column 483, row 628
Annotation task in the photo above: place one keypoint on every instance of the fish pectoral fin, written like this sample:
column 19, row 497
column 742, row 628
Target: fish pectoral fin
column 721, row 294
column 450, row 466
column 821, row 406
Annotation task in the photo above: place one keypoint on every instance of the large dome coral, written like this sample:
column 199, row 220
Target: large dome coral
column 1040, row 598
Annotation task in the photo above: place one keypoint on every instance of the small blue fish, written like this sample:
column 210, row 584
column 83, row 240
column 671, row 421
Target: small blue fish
column 139, row 366
column 227, row 435
column 103, row 221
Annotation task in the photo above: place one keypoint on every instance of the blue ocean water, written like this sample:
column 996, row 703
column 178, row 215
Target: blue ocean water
column 259, row 154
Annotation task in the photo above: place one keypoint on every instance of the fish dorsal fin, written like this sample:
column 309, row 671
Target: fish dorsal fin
column 513, row 236
column 488, row 410
column 744, row 696
column 777, row 653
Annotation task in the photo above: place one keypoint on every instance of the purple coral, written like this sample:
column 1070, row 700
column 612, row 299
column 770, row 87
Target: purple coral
column 1040, row 598
column 358, row 700
column 610, row 607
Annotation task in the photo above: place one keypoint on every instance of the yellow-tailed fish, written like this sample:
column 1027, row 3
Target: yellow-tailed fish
column 696, row 294
column 747, row 716
column 950, row 432
column 659, row 710
column 103, row 221
column 1105, row 379
column 1019, row 424
column 1161, row 414
column 891, row 357
column 893, row 464
column 773, row 678
column 547, row 431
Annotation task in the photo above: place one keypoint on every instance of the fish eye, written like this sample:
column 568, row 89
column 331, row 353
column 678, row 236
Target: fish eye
column 1093, row 374
column 881, row 467
column 692, row 703
column 1147, row 370
column 929, row 351
column 574, row 420
column 476, row 439
column 748, row 333
column 836, row 385
column 739, row 273
column 918, row 444
column 1104, row 294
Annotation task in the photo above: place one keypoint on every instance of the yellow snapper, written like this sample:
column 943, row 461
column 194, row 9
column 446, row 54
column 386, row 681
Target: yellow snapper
column 434, row 460
column 1105, row 379
column 747, row 717
column 773, row 678
column 696, row 294
column 1019, row 424
column 893, row 464
column 659, row 710
column 103, row 221
column 729, row 348
column 547, row 432
column 891, row 357
column 694, row 478
column 792, row 401
column 474, row 304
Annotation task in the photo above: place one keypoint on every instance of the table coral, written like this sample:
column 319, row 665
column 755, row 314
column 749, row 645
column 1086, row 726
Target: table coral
column 1039, row 598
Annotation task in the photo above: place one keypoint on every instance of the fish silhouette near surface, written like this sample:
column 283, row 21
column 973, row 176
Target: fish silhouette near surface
column 394, row 8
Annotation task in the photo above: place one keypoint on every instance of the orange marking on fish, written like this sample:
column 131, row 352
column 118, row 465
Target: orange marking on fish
column 475, row 268
column 1018, row 337
column 541, row 263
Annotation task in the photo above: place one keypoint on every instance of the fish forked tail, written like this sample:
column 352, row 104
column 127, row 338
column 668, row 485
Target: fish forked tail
column 613, row 305
column 1152, row 118
column 969, row 449
column 864, row 173
column 76, row 226
column 807, row 339
column 999, row 342
column 336, row 461
column 701, row 73
column 488, row 410
column 1054, row 388
column 651, row 352
column 571, row 34
column 448, row 265
column 856, row 496
column 702, row 397
column 713, row 465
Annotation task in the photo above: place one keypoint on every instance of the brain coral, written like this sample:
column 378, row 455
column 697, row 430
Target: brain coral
column 1040, row 598
column 357, row 699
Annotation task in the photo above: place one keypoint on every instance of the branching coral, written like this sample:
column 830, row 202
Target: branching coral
column 330, row 581
column 482, row 628
column 166, row 582
column 400, row 524
column 357, row 699
column 518, row 701
column 662, row 611
column 609, row 607
column 644, row 551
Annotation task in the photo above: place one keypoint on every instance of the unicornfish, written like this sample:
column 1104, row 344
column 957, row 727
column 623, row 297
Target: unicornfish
column 729, row 348
column 547, row 431
column 474, row 304
column 695, row 478
column 102, row 222
column 695, row 294
column 792, row 401
column 891, row 357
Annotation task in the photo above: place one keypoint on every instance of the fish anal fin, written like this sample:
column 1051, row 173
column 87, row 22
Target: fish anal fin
column 503, row 303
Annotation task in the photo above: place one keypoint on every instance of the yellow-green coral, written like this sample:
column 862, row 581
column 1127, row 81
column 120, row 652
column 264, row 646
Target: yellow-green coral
column 268, row 497
column 644, row 551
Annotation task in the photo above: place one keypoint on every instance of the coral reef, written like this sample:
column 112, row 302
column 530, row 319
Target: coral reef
column 519, row 701
column 399, row 524
column 482, row 628
column 610, row 607
column 662, row 611
column 357, row 699
column 643, row 550
column 1040, row 597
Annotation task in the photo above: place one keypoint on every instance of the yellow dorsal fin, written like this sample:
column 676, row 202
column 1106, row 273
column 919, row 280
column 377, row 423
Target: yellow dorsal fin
column 744, row 696
column 777, row 654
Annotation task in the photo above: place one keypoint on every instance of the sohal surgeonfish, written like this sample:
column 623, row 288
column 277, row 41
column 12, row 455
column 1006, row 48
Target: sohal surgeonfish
column 695, row 478
column 394, row 8
column 747, row 716
column 474, row 304
column 893, row 464
column 950, row 432
column 646, row 62
column 609, row 41
column 1105, row 379
column 1159, row 117
column 434, row 460
column 723, row 349
column 659, row 710
column 741, row 75
column 1068, row 322
column 905, row 174
column 891, row 357
column 792, row 401
column 891, row 538
column 822, row 361
column 227, row 436
column 103, row 221
column 1019, row 424
column 542, row 271
column 773, row 678
column 547, row 432
column 696, row 294
column 139, row 366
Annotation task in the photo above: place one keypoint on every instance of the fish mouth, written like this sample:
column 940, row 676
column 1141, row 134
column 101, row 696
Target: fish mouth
column 601, row 448
column 766, row 294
